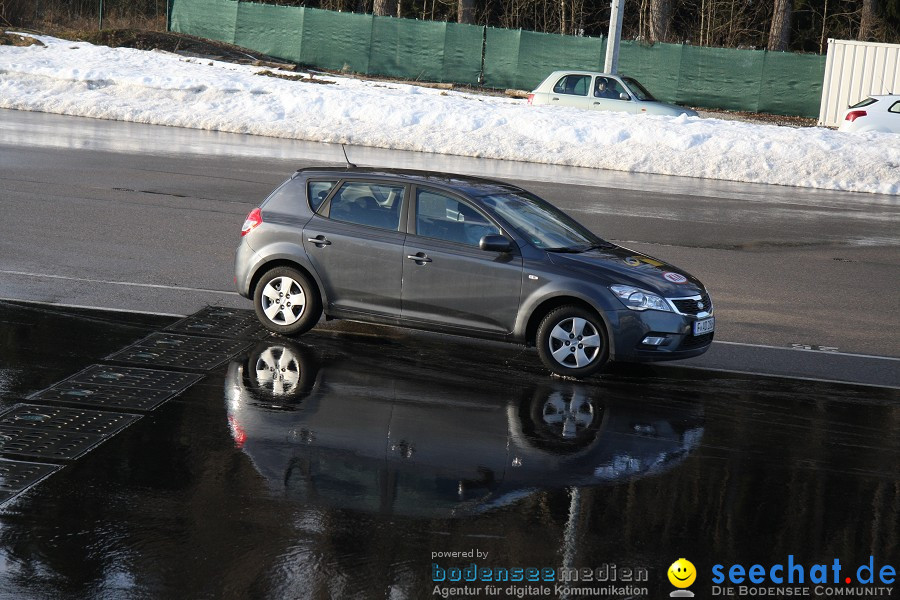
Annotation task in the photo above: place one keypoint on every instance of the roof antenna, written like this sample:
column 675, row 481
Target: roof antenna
column 350, row 165
column 884, row 88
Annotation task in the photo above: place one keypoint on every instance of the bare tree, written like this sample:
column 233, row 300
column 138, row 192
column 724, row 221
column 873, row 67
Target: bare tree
column 660, row 20
column 465, row 12
column 562, row 17
column 868, row 20
column 780, row 32
column 385, row 8
column 12, row 12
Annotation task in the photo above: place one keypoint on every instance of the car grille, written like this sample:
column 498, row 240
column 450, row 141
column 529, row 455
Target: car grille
column 695, row 341
column 688, row 306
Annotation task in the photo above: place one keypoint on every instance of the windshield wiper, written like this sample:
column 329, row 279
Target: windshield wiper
column 580, row 249
column 600, row 244
column 572, row 250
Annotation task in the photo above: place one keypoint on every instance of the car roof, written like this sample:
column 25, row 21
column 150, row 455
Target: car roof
column 467, row 184
column 580, row 72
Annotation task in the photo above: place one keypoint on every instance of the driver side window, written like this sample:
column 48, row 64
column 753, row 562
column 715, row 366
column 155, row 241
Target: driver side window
column 609, row 88
column 446, row 218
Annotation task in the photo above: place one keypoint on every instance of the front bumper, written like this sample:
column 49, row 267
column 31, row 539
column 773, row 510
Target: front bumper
column 632, row 327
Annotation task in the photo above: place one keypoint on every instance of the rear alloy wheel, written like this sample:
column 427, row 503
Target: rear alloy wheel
column 572, row 342
column 286, row 302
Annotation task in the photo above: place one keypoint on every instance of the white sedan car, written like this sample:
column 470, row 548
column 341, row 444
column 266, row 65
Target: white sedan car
column 601, row 91
column 875, row 113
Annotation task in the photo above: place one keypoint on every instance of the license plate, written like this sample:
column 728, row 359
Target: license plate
column 705, row 326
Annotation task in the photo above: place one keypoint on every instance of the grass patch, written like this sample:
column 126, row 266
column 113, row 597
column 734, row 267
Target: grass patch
column 302, row 78
column 12, row 39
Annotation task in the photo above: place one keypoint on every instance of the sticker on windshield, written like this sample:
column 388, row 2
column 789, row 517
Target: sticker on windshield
column 675, row 277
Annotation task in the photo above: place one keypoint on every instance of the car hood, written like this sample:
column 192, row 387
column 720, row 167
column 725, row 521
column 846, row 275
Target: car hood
column 616, row 264
column 655, row 107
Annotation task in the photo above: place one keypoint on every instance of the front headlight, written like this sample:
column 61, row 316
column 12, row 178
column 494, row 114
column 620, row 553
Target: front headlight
column 638, row 299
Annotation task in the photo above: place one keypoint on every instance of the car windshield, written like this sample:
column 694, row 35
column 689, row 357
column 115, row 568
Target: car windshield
column 639, row 90
column 542, row 224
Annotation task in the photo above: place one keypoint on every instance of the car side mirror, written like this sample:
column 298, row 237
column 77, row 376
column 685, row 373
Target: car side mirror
column 495, row 243
column 624, row 96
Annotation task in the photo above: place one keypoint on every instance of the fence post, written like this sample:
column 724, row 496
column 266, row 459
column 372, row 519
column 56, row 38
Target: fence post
column 483, row 52
column 101, row 15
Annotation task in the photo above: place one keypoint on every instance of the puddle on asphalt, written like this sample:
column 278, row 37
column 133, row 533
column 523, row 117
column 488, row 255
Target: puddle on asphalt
column 351, row 462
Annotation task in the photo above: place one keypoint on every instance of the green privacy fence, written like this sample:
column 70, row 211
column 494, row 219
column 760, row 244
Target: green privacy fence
column 749, row 80
column 359, row 43
column 519, row 59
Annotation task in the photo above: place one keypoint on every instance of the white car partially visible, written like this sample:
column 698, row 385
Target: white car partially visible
column 601, row 91
column 875, row 113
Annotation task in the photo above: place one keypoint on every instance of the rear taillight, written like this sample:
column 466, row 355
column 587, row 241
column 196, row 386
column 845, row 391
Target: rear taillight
column 854, row 115
column 530, row 98
column 252, row 220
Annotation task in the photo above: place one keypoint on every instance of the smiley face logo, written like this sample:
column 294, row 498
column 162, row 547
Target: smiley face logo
column 682, row 573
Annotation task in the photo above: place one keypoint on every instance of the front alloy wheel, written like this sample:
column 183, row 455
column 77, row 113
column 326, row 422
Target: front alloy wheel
column 572, row 342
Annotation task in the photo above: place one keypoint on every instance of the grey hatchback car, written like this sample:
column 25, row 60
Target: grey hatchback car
column 466, row 256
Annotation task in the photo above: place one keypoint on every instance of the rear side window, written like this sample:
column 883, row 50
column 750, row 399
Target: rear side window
column 371, row 204
column 576, row 85
column 895, row 107
column 865, row 102
column 317, row 191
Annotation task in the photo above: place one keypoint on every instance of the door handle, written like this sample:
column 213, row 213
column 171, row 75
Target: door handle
column 419, row 258
column 555, row 99
column 597, row 103
column 320, row 241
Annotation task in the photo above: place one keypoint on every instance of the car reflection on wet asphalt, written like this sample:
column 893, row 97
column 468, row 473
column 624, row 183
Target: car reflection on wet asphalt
column 352, row 433
column 348, row 465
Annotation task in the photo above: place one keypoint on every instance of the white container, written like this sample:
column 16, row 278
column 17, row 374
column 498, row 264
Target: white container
column 855, row 70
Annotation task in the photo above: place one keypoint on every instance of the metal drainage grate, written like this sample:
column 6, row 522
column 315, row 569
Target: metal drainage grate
column 189, row 343
column 133, row 377
column 199, row 361
column 221, row 322
column 17, row 476
column 52, row 445
column 120, row 388
column 77, row 420
column 104, row 396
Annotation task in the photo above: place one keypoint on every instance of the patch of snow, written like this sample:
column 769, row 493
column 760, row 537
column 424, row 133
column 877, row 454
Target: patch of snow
column 81, row 79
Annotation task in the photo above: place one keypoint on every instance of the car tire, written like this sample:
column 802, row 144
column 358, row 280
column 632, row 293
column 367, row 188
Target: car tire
column 572, row 342
column 287, row 302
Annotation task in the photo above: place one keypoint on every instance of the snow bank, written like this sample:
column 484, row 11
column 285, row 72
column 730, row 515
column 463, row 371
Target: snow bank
column 165, row 89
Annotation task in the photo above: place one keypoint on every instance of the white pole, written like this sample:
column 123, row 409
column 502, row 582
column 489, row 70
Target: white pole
column 615, row 34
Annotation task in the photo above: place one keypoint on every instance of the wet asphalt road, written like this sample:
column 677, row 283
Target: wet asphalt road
column 376, row 448
column 136, row 217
